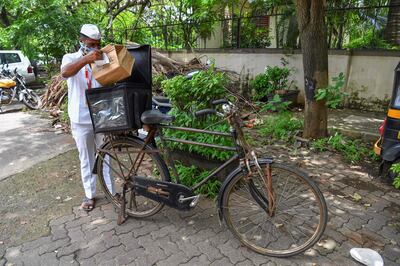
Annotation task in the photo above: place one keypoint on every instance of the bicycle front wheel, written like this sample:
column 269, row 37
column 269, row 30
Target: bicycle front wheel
column 299, row 218
column 115, row 163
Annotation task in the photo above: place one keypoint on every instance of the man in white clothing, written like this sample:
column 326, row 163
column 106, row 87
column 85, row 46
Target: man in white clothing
column 76, row 69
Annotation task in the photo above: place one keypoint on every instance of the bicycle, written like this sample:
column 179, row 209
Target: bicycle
column 271, row 208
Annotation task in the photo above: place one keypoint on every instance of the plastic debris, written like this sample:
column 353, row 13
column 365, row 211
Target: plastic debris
column 366, row 256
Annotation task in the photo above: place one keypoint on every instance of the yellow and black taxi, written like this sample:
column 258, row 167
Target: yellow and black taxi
column 388, row 145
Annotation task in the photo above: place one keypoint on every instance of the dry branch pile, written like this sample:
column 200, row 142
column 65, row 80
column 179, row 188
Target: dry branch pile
column 55, row 94
column 167, row 66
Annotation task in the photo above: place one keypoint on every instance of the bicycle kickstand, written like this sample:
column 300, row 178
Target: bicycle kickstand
column 121, row 215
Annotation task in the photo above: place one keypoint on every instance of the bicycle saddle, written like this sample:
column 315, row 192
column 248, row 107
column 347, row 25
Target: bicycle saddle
column 156, row 117
column 161, row 99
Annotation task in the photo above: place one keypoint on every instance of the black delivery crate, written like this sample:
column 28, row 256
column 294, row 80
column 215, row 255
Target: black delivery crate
column 119, row 107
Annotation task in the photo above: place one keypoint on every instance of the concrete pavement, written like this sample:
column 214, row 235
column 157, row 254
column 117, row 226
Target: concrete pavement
column 26, row 140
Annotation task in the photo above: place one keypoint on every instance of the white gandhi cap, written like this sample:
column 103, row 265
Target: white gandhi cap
column 91, row 31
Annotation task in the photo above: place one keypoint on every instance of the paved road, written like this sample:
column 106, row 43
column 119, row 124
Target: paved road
column 196, row 237
column 27, row 139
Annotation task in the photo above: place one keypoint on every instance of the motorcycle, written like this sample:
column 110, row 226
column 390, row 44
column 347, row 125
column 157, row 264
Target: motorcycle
column 13, row 87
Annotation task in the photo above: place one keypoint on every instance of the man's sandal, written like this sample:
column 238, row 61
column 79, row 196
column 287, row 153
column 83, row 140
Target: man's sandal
column 87, row 204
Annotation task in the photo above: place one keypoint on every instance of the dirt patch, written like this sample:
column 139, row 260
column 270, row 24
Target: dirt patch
column 30, row 199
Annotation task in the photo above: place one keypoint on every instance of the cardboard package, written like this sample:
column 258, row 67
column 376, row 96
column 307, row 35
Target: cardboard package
column 117, row 65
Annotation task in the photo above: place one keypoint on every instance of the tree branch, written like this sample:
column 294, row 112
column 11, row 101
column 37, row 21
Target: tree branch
column 5, row 21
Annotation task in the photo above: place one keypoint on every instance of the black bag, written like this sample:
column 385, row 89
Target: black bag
column 119, row 107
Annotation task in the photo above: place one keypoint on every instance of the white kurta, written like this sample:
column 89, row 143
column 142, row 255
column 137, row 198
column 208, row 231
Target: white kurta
column 81, row 126
column 77, row 107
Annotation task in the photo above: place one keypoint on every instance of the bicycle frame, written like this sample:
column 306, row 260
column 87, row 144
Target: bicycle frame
column 171, row 163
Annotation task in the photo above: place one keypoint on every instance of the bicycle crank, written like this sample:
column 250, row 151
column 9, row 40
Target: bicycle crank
column 174, row 195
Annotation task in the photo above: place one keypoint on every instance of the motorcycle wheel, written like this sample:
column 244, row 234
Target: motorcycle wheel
column 31, row 100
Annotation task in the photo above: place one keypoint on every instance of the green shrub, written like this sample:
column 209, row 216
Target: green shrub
column 353, row 150
column 370, row 40
column 157, row 80
column 272, row 79
column 186, row 119
column 192, row 175
column 192, row 95
column 64, row 117
column 276, row 104
column 196, row 93
column 395, row 168
column 282, row 126
column 332, row 93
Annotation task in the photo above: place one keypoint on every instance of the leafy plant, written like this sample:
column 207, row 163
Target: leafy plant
column 276, row 104
column 368, row 40
column 196, row 93
column 157, row 80
column 353, row 150
column 273, row 79
column 192, row 175
column 64, row 118
column 189, row 96
column 395, row 168
column 282, row 126
column 332, row 93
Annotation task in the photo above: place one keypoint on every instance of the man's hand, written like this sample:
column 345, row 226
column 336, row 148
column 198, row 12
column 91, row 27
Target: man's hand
column 72, row 68
column 93, row 56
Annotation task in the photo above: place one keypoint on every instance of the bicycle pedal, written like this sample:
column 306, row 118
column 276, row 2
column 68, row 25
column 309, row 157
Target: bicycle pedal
column 194, row 201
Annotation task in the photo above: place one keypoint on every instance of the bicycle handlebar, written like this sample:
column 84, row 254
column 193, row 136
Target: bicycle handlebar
column 220, row 101
column 205, row 112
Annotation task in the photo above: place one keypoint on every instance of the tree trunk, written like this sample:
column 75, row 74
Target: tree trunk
column 392, row 31
column 310, row 15
column 239, row 22
column 339, row 43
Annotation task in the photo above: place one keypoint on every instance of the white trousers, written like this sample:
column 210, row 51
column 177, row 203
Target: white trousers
column 87, row 142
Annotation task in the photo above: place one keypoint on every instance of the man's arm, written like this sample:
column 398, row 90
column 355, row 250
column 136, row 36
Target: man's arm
column 72, row 68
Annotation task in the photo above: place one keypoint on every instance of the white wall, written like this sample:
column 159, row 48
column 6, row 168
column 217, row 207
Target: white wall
column 369, row 73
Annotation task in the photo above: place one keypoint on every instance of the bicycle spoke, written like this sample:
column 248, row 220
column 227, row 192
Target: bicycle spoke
column 295, row 224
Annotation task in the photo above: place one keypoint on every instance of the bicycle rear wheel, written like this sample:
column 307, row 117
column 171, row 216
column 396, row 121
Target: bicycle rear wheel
column 299, row 219
column 116, row 160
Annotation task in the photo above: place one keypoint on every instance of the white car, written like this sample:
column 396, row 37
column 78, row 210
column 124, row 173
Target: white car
column 12, row 59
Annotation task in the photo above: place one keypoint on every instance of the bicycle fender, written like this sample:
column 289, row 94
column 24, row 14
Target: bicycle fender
column 94, row 170
column 228, row 180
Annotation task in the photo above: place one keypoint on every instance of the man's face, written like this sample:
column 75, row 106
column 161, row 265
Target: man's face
column 90, row 43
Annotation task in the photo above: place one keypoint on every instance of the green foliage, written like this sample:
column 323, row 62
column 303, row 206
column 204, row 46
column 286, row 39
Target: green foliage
column 275, row 105
column 253, row 36
column 197, row 92
column 42, row 29
column 395, row 168
column 332, row 93
column 192, row 175
column 187, row 119
column 64, row 117
column 192, row 95
column 273, row 79
column 353, row 150
column 157, row 80
column 369, row 40
column 282, row 126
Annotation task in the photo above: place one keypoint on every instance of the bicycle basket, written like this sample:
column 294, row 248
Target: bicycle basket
column 119, row 107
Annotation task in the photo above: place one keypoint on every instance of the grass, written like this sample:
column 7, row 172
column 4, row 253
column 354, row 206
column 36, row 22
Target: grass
column 353, row 150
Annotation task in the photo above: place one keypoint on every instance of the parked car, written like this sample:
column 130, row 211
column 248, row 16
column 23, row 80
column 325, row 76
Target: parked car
column 12, row 59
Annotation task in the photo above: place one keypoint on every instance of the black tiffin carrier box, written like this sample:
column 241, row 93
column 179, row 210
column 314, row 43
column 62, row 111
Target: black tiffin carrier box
column 119, row 107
